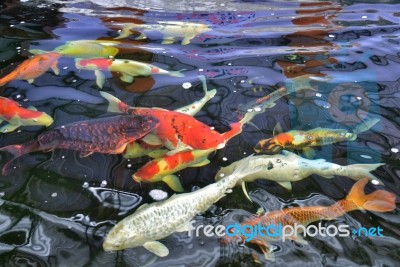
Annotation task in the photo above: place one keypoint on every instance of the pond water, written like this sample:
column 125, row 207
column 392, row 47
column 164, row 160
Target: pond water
column 57, row 207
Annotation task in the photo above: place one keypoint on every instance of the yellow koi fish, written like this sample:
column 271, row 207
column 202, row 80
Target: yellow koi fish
column 169, row 29
column 85, row 49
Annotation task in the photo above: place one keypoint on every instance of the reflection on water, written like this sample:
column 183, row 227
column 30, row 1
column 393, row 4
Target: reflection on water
column 56, row 207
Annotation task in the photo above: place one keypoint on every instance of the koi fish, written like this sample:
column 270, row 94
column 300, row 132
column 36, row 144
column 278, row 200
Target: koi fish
column 379, row 200
column 162, row 169
column 127, row 68
column 288, row 167
column 152, row 222
column 304, row 140
column 105, row 135
column 84, row 49
column 17, row 116
column 138, row 149
column 176, row 131
column 33, row 67
column 169, row 29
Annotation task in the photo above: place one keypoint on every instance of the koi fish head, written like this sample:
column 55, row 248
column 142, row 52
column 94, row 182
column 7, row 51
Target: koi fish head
column 121, row 237
column 45, row 120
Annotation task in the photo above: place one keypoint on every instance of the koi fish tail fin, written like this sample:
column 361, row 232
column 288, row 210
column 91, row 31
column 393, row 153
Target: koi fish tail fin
column 16, row 151
column 366, row 125
column 379, row 200
column 176, row 73
column 114, row 104
column 360, row 171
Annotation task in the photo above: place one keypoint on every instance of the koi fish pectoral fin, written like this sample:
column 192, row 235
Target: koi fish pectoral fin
column 287, row 185
column 84, row 154
column 152, row 139
column 30, row 81
column 126, row 78
column 186, row 227
column 157, row 248
column 245, row 191
column 298, row 239
column 100, row 79
column 8, row 128
column 55, row 68
column 168, row 40
column 309, row 152
column 267, row 250
column 173, row 182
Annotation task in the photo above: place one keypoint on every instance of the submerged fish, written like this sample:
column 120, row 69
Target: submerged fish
column 17, row 116
column 379, row 200
column 288, row 167
column 177, row 131
column 127, row 68
column 152, row 222
column 84, row 49
column 105, row 135
column 162, row 169
column 304, row 140
column 33, row 67
column 169, row 29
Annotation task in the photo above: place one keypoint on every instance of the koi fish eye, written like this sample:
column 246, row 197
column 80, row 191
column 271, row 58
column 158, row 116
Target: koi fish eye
column 309, row 137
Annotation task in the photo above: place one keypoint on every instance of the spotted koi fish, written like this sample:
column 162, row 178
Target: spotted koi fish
column 33, row 67
column 127, row 68
column 304, row 140
column 17, row 116
column 380, row 201
column 152, row 222
column 105, row 135
column 169, row 29
column 289, row 167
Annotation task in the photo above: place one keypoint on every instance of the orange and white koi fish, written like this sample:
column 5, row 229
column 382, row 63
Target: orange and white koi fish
column 169, row 29
column 17, row 116
column 162, row 169
column 33, row 67
column 379, row 200
column 105, row 135
column 84, row 49
column 177, row 131
column 304, row 140
column 127, row 68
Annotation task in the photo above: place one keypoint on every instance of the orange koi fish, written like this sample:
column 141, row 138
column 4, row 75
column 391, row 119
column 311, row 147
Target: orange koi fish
column 105, row 135
column 17, row 116
column 177, row 131
column 303, row 140
column 127, row 68
column 33, row 67
column 162, row 169
column 380, row 201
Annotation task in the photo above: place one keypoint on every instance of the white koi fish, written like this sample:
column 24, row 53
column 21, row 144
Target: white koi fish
column 288, row 167
column 152, row 222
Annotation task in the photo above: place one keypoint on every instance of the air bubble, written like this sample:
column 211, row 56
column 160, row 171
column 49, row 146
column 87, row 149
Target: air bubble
column 85, row 185
column 186, row 85
column 103, row 183
column 54, row 194
column 394, row 150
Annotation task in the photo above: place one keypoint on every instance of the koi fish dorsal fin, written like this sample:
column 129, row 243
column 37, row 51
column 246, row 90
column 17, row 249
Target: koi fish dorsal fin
column 277, row 129
column 379, row 200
